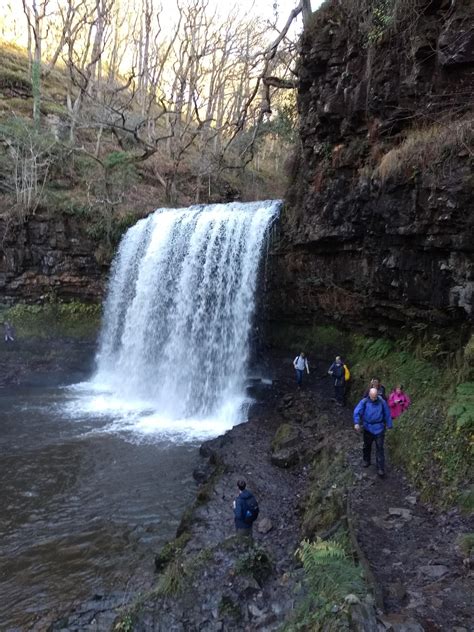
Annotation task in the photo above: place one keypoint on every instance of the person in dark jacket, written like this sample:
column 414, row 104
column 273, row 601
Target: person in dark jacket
column 336, row 370
column 375, row 383
column 244, row 500
column 373, row 414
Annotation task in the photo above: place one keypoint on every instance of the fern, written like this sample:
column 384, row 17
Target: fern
column 379, row 349
column 330, row 573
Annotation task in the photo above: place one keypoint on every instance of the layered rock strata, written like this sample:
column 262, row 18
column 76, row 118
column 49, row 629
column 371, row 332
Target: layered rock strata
column 49, row 257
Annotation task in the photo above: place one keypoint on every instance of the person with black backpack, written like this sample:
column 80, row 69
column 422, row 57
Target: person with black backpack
column 338, row 373
column 245, row 510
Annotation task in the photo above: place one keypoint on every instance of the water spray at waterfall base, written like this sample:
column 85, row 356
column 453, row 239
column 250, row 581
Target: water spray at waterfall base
column 174, row 347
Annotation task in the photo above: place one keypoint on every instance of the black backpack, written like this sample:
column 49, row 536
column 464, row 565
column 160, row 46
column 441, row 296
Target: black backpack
column 251, row 510
column 338, row 371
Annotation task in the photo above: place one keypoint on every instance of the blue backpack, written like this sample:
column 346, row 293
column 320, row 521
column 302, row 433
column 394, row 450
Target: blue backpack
column 251, row 510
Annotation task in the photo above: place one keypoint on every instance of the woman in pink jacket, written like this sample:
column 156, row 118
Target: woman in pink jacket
column 398, row 401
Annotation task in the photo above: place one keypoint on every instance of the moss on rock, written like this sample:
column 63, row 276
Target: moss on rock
column 54, row 319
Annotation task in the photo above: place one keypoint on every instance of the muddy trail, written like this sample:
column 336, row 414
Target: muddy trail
column 209, row 580
column 419, row 574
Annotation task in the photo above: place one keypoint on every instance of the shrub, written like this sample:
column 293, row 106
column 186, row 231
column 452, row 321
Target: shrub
column 256, row 563
column 32, row 153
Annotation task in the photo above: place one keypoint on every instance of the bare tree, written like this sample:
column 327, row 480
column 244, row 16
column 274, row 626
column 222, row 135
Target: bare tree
column 36, row 15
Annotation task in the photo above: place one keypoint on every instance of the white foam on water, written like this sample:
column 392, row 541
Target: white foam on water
column 174, row 345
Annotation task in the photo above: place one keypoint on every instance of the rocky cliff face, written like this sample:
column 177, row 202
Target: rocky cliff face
column 378, row 227
column 49, row 256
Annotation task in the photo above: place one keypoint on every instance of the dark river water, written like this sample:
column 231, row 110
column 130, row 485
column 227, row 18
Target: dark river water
column 86, row 502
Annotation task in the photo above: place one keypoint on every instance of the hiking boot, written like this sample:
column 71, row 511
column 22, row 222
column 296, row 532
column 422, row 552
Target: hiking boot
column 381, row 473
column 366, row 464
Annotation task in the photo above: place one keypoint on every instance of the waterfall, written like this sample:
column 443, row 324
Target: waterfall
column 179, row 310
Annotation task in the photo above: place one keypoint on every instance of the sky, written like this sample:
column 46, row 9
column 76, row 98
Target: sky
column 12, row 17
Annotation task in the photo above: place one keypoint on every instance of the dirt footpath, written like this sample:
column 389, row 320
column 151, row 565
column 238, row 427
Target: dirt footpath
column 421, row 574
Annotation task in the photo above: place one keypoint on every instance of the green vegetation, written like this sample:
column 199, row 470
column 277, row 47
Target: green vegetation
column 229, row 608
column 466, row 543
column 171, row 581
column 332, row 583
column 283, row 432
column 205, row 490
column 171, row 549
column 257, row 563
column 433, row 440
column 325, row 502
column 177, row 573
column 14, row 80
column 125, row 623
column 54, row 318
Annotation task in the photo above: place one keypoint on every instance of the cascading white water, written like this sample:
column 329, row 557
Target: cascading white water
column 179, row 309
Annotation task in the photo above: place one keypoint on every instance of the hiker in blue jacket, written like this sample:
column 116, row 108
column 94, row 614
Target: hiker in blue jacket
column 245, row 510
column 373, row 414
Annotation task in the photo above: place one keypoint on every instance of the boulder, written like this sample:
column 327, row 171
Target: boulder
column 286, row 436
column 285, row 458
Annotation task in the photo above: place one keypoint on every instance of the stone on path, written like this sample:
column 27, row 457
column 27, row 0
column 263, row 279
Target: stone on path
column 400, row 511
column 397, row 591
column 434, row 571
column 264, row 526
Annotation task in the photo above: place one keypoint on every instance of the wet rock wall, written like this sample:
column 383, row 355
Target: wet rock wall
column 378, row 238
column 49, row 257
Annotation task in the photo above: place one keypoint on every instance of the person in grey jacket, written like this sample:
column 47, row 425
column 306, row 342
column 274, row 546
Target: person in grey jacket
column 300, row 363
column 9, row 331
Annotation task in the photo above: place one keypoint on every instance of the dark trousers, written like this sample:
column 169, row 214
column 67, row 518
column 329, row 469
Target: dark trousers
column 244, row 533
column 299, row 376
column 339, row 393
column 369, row 438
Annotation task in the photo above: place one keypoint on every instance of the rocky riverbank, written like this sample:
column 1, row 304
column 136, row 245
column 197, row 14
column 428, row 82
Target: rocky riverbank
column 36, row 361
column 300, row 456
column 53, row 342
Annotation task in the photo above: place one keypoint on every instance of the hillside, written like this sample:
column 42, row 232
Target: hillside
column 69, row 188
